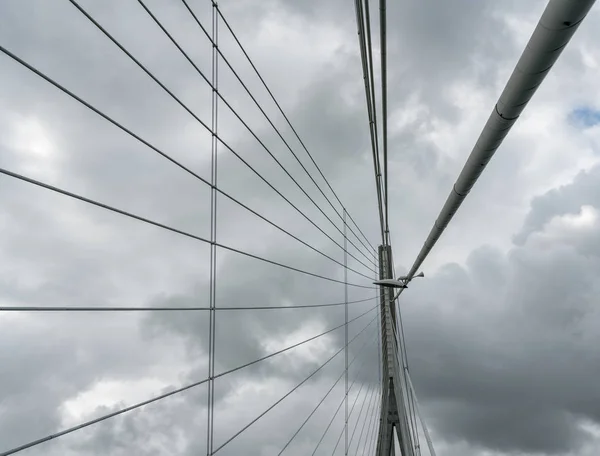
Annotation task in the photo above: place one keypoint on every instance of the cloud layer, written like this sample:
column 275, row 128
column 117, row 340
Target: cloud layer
column 502, row 332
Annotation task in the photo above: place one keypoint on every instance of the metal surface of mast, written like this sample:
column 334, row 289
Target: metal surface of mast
column 393, row 399
column 555, row 29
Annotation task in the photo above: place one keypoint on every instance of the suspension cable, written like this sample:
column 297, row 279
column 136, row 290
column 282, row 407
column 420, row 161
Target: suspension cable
column 384, row 113
column 373, row 396
column 287, row 119
column 371, row 426
column 163, row 309
column 399, row 331
column 162, row 153
column 314, row 410
column 215, row 91
column 167, row 227
column 360, row 371
column 357, row 418
column 212, row 323
column 265, row 115
column 369, row 420
column 234, row 112
column 293, row 389
column 368, row 83
column 423, row 425
column 170, row 393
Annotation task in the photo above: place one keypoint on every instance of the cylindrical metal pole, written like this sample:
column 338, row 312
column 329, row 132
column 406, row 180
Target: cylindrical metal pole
column 552, row 34
column 346, row 334
column 213, row 233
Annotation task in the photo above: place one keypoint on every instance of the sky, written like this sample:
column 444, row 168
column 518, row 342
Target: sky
column 502, row 333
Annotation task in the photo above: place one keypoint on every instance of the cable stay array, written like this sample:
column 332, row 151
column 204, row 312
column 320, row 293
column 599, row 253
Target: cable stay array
column 363, row 249
column 357, row 376
column 177, row 163
column 218, row 94
column 162, row 153
column 402, row 358
column 370, row 394
column 169, row 228
column 314, row 410
column 366, row 54
column 187, row 387
column 271, row 407
column 376, row 403
column 368, row 418
column 288, row 147
column 238, row 42
column 236, row 114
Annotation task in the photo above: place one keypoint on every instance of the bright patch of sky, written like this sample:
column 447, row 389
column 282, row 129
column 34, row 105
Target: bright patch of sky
column 585, row 116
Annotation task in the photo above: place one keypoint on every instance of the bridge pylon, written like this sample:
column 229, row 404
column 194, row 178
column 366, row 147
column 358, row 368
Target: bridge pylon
column 394, row 419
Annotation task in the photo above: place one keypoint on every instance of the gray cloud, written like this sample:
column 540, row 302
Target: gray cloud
column 493, row 341
column 558, row 202
column 511, row 356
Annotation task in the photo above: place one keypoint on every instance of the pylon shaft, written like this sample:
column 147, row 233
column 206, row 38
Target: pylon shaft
column 393, row 389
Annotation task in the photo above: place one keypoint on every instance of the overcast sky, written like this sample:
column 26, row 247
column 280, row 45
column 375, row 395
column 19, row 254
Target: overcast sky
column 502, row 333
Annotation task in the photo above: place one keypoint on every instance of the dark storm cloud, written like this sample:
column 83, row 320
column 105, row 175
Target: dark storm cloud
column 506, row 345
